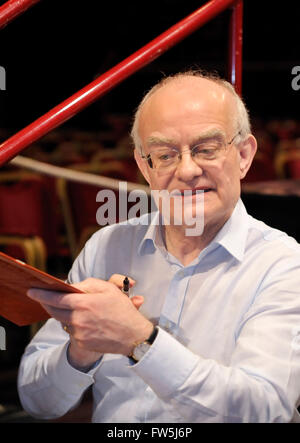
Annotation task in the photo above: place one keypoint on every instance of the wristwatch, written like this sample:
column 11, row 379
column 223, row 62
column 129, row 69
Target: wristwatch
column 140, row 349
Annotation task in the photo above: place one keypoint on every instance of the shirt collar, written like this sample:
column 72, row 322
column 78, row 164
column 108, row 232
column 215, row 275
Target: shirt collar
column 232, row 236
column 152, row 239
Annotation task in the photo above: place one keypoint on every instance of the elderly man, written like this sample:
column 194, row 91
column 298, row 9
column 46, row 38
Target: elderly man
column 213, row 334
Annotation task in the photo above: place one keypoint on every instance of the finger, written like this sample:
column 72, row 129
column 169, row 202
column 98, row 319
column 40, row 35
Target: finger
column 62, row 315
column 57, row 299
column 91, row 285
column 117, row 279
column 137, row 301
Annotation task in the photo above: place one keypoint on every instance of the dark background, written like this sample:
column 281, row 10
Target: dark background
column 59, row 46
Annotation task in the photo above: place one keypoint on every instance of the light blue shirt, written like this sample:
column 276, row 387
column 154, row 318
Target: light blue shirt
column 228, row 347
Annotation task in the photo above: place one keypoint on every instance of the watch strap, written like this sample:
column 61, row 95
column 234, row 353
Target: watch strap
column 149, row 341
column 152, row 336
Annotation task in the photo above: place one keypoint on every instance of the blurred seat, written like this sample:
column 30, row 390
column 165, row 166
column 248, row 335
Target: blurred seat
column 79, row 203
column 287, row 160
column 262, row 169
column 292, row 168
column 265, row 143
column 28, row 222
column 27, row 217
column 32, row 249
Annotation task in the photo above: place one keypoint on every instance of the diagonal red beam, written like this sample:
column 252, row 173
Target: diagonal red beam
column 11, row 9
column 90, row 93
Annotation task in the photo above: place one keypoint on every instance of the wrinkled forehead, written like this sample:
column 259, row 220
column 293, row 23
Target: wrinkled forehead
column 192, row 95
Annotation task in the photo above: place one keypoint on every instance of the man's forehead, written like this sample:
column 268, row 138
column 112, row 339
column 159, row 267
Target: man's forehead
column 188, row 96
column 194, row 83
column 158, row 139
column 197, row 91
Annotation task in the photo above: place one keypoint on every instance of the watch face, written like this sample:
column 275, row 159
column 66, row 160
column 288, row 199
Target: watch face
column 140, row 350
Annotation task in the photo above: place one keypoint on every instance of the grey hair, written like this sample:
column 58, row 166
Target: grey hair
column 242, row 121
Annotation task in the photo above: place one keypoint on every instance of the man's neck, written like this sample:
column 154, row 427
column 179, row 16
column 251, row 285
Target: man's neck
column 187, row 248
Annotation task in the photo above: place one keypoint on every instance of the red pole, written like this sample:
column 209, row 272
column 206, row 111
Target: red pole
column 11, row 9
column 236, row 46
column 111, row 78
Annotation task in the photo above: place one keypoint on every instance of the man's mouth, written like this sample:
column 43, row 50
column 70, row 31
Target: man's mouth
column 189, row 192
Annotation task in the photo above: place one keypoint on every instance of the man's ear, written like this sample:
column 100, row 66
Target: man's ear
column 142, row 165
column 247, row 150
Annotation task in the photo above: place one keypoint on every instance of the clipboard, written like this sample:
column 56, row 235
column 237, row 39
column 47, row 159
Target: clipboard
column 16, row 278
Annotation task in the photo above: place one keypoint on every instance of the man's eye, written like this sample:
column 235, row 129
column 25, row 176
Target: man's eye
column 205, row 151
column 166, row 156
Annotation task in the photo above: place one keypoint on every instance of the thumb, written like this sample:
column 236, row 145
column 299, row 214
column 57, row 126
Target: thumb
column 117, row 279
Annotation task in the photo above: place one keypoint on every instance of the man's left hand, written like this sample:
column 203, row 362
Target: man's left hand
column 101, row 320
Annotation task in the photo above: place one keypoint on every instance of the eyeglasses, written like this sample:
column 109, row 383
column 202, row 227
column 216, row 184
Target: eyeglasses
column 166, row 160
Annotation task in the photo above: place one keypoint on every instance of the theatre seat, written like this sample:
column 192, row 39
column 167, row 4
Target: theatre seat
column 27, row 218
column 287, row 160
column 262, row 169
column 79, row 201
column 292, row 168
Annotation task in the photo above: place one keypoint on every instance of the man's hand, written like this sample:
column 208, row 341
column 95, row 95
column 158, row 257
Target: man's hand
column 102, row 320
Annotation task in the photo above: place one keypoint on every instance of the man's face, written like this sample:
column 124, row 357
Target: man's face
column 180, row 114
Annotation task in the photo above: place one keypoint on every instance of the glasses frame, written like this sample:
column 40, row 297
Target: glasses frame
column 149, row 160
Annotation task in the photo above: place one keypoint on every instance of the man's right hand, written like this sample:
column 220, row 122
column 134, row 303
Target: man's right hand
column 83, row 359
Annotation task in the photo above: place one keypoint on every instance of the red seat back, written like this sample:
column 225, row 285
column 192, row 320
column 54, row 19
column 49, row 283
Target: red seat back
column 27, row 208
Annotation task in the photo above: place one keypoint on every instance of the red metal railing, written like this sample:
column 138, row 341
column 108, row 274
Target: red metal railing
column 11, row 9
column 74, row 104
column 235, row 46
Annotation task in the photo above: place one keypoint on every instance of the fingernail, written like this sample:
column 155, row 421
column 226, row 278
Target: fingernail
column 31, row 293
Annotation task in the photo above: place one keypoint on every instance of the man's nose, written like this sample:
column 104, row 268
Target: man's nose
column 187, row 168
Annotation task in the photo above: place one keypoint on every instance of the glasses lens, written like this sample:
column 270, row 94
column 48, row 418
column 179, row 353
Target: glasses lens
column 207, row 151
column 164, row 158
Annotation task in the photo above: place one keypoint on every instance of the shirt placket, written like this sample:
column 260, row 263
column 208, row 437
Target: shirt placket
column 174, row 302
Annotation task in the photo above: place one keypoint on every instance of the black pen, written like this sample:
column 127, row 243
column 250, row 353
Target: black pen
column 126, row 285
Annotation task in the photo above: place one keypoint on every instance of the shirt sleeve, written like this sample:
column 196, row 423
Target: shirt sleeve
column 45, row 375
column 48, row 385
column 261, row 382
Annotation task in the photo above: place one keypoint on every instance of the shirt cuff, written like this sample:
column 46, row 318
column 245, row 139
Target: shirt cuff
column 89, row 369
column 166, row 365
column 62, row 373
